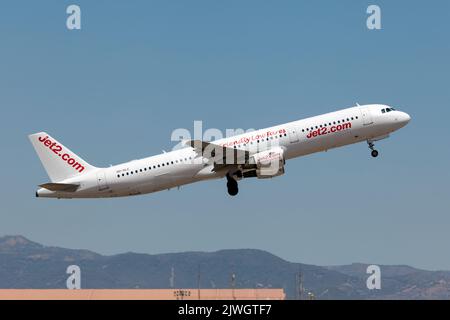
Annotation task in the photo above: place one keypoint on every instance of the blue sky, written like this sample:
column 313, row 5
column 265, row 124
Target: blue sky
column 115, row 91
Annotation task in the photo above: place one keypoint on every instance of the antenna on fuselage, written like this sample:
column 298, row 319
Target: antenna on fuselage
column 357, row 104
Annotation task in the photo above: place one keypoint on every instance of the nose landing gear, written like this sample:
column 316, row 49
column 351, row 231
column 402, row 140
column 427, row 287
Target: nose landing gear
column 374, row 152
column 232, row 186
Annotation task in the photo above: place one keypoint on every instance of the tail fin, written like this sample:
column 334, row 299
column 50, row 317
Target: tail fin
column 59, row 162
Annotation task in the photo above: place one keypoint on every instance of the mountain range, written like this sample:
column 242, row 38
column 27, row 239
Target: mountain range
column 30, row 265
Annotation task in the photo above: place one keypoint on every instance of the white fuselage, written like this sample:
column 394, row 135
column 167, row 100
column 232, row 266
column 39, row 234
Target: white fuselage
column 184, row 166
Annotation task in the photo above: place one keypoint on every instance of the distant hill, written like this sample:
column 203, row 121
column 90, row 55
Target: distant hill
column 26, row 264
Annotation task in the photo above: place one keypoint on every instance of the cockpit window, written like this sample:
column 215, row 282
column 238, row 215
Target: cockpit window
column 387, row 110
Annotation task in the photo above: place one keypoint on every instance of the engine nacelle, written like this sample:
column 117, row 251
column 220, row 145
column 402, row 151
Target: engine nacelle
column 269, row 163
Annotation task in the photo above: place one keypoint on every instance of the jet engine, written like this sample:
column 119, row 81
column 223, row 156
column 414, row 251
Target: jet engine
column 268, row 164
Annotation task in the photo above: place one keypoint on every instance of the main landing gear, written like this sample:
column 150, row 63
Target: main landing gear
column 232, row 186
column 374, row 152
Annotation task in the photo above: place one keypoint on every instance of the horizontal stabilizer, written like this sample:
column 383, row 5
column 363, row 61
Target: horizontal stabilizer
column 66, row 187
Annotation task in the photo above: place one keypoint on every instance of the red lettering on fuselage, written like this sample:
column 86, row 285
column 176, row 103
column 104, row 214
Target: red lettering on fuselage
column 256, row 137
column 326, row 130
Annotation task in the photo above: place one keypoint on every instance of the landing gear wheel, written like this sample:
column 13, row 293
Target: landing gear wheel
column 232, row 191
column 232, row 186
column 374, row 153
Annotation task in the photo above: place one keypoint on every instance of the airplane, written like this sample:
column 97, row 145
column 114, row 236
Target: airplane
column 258, row 154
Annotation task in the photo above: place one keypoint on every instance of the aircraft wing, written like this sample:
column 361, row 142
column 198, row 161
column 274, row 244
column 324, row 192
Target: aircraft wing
column 221, row 156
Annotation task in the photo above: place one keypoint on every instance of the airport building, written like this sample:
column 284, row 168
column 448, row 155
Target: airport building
column 142, row 294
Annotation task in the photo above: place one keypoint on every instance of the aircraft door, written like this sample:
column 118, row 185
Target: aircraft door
column 293, row 137
column 101, row 181
column 366, row 116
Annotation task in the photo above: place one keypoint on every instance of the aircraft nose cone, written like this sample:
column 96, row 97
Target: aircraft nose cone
column 404, row 118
